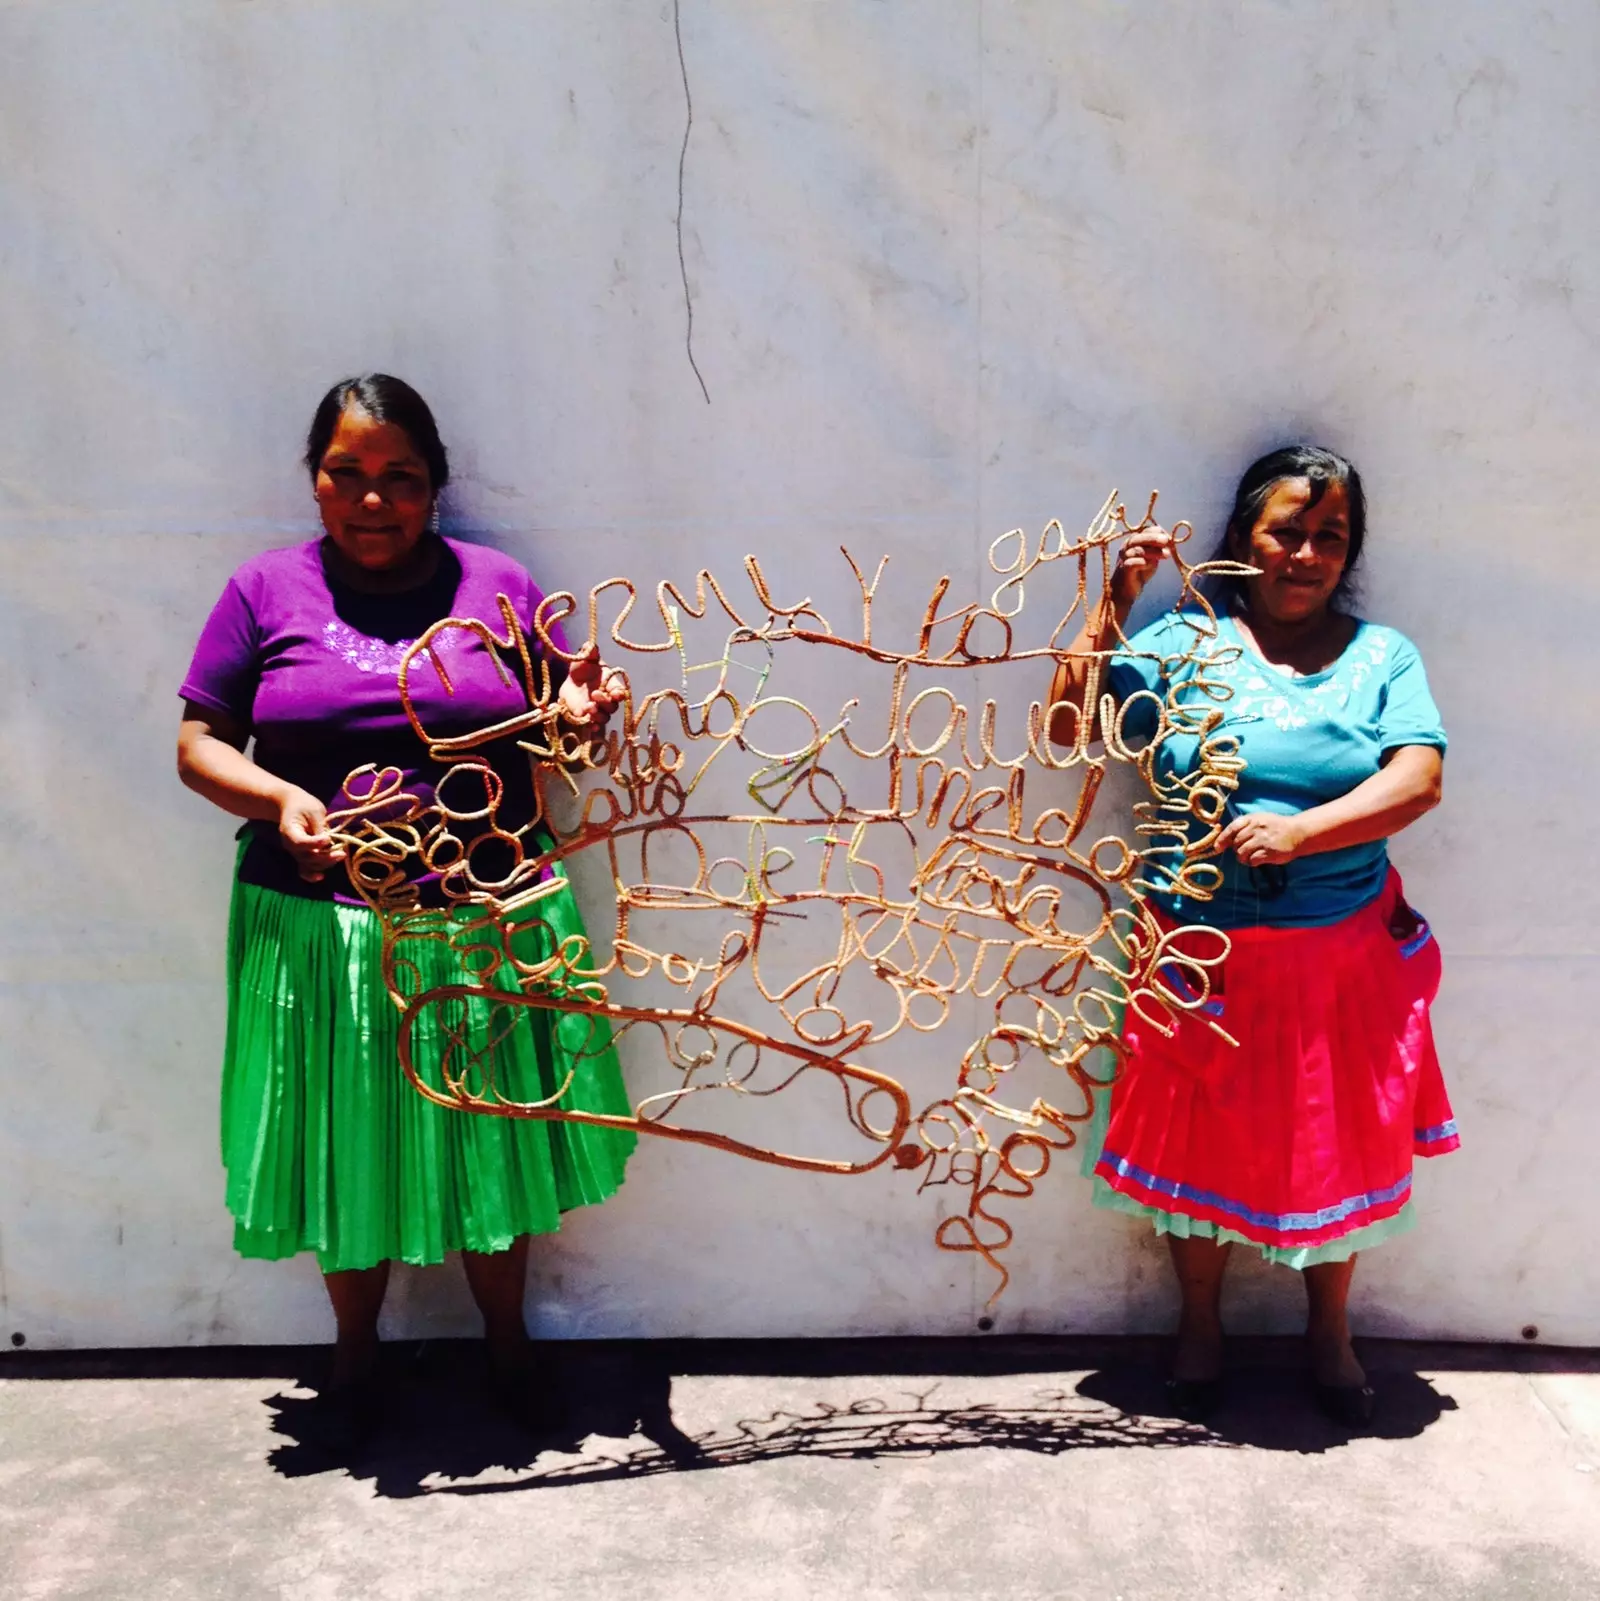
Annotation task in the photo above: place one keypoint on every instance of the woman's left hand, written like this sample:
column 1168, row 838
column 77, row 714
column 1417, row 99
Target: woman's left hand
column 591, row 691
column 1261, row 838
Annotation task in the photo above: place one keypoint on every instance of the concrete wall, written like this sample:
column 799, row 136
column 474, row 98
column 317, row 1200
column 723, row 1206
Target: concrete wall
column 955, row 266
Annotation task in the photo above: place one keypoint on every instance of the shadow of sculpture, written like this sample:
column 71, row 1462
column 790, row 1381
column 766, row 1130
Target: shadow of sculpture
column 442, row 1435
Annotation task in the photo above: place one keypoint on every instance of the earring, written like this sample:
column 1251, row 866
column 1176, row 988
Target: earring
column 433, row 520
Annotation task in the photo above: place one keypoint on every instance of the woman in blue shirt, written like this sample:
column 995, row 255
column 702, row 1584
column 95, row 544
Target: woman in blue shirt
column 1300, row 1141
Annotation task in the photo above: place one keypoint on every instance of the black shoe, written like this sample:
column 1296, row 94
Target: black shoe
column 1193, row 1400
column 1351, row 1406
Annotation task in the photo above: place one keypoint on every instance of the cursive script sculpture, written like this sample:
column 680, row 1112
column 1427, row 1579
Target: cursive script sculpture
column 939, row 880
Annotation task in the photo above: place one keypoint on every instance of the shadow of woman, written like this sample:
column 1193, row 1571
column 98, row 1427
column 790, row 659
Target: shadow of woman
column 1271, row 1407
column 440, row 1427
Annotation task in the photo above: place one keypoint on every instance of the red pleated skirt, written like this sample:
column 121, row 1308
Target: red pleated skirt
column 1305, row 1131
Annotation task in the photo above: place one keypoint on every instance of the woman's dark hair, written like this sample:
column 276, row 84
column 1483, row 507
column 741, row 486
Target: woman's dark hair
column 1319, row 468
column 384, row 399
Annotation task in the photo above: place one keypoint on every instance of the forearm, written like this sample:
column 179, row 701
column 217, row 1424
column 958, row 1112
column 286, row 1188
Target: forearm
column 1410, row 784
column 228, row 778
column 1070, row 680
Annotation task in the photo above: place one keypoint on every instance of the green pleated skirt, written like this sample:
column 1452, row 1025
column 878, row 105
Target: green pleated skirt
column 329, row 1148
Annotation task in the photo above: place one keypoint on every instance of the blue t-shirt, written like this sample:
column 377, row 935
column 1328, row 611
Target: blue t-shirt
column 1303, row 741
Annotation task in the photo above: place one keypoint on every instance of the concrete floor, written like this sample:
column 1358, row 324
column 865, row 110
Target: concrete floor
column 927, row 1469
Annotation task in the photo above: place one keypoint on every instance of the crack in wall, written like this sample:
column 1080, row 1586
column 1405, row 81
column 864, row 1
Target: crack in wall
column 683, row 156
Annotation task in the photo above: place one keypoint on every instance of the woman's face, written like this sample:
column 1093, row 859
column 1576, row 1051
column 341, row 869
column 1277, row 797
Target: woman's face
column 374, row 491
column 1300, row 548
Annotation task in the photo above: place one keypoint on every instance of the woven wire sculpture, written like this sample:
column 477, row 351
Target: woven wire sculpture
column 945, row 885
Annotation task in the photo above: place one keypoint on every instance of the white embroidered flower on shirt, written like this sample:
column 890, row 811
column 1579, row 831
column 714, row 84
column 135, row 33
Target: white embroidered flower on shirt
column 365, row 654
column 1254, row 699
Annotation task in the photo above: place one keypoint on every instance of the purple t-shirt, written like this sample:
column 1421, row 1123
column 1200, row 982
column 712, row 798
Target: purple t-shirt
column 310, row 667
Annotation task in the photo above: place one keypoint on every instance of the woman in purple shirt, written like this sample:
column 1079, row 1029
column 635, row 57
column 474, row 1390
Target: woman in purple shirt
column 326, row 1146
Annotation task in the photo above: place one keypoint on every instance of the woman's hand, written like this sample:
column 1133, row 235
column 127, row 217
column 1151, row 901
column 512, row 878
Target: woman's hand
column 303, row 828
column 591, row 691
column 1137, row 562
column 1260, row 839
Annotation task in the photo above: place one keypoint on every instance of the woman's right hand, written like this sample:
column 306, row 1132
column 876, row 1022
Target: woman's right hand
column 1137, row 561
column 303, row 828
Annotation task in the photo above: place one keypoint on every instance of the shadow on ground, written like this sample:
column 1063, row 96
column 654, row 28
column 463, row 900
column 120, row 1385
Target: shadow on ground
column 644, row 1408
column 442, row 1435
